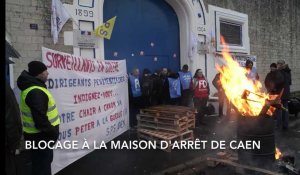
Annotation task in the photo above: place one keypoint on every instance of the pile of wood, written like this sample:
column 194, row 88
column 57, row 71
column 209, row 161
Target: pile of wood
column 166, row 122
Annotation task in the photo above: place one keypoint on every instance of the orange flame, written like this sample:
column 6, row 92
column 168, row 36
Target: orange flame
column 278, row 154
column 234, row 82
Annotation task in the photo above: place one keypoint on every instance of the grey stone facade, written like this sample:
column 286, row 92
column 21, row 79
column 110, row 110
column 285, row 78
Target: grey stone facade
column 19, row 15
column 274, row 31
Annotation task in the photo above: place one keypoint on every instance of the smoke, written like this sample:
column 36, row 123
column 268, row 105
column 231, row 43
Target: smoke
column 226, row 129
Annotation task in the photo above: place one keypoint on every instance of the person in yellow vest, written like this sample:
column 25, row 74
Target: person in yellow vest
column 40, row 115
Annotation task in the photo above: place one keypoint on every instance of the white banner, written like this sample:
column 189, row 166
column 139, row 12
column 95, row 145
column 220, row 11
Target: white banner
column 92, row 98
column 241, row 59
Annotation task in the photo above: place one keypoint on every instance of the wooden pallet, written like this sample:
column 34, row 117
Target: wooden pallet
column 160, row 113
column 168, row 111
column 191, row 123
column 159, row 136
column 159, row 119
column 176, row 129
column 174, row 108
column 191, row 116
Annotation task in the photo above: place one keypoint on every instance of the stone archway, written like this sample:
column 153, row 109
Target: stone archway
column 187, row 24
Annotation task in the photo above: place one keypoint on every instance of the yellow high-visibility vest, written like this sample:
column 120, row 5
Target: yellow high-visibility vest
column 52, row 113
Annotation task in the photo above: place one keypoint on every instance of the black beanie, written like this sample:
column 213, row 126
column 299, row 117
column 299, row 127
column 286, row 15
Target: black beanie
column 36, row 67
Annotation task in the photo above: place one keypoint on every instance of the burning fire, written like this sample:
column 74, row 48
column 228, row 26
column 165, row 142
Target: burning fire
column 234, row 82
column 278, row 154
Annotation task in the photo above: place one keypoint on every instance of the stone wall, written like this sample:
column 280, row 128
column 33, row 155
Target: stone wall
column 28, row 42
column 274, row 32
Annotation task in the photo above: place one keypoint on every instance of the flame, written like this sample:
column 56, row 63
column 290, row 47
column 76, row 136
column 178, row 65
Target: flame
column 278, row 154
column 234, row 82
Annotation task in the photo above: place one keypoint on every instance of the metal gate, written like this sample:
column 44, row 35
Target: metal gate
column 146, row 34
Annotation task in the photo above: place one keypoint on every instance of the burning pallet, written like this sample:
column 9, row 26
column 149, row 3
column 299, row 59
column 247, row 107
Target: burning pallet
column 167, row 123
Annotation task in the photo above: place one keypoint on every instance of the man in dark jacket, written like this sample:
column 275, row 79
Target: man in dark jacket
column 163, row 75
column 286, row 72
column 274, row 83
column 39, row 115
column 274, row 80
column 221, row 96
column 147, row 88
column 13, row 130
column 157, row 88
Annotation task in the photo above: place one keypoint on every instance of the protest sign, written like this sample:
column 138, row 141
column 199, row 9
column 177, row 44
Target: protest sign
column 92, row 98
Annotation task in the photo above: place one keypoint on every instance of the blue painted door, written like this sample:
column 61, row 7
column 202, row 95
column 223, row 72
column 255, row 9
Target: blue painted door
column 146, row 34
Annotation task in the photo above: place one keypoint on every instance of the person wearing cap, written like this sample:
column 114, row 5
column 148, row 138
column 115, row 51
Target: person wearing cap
column 284, row 69
column 40, row 115
column 13, row 129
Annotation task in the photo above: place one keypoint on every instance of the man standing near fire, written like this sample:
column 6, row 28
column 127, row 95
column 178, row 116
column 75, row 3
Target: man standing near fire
column 40, row 115
column 274, row 83
column 274, row 80
column 283, row 68
column 221, row 96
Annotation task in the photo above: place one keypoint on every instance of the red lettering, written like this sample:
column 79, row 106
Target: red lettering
column 86, row 97
column 101, row 66
column 49, row 58
column 87, row 112
column 107, row 94
column 69, row 62
column 115, row 116
column 110, row 105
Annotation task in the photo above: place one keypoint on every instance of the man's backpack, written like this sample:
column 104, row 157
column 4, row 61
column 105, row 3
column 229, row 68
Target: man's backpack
column 147, row 86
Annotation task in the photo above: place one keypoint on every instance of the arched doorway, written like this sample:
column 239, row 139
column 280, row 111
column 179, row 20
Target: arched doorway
column 146, row 34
